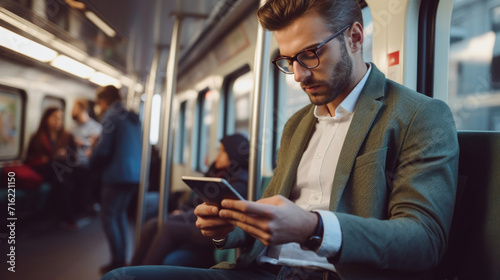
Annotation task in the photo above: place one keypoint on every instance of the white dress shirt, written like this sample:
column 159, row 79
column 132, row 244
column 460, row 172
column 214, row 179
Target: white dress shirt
column 313, row 185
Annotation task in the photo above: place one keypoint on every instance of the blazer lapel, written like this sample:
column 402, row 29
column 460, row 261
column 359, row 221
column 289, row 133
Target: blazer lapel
column 364, row 115
column 296, row 149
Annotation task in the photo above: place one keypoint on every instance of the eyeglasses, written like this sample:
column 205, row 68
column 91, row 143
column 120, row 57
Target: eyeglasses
column 307, row 58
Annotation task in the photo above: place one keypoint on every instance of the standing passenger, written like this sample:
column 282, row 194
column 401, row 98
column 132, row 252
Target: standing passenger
column 118, row 156
column 86, row 131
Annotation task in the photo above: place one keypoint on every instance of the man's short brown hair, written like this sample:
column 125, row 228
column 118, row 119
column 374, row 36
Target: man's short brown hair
column 109, row 94
column 277, row 14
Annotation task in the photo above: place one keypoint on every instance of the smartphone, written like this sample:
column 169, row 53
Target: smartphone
column 212, row 190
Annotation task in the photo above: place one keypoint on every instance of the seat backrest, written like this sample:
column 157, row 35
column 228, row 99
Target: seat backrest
column 474, row 247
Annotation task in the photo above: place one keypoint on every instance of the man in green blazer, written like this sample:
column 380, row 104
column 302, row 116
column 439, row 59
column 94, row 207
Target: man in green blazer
column 366, row 176
column 393, row 189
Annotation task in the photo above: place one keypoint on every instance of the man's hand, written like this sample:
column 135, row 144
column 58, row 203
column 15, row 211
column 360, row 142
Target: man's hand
column 209, row 222
column 274, row 220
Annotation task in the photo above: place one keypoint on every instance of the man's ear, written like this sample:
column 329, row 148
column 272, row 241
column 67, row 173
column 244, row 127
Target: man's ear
column 355, row 37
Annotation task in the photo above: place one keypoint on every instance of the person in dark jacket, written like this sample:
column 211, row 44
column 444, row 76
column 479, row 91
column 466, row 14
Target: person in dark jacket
column 179, row 241
column 118, row 156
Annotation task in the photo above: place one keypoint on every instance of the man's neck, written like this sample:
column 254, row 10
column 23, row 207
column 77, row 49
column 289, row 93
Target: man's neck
column 359, row 71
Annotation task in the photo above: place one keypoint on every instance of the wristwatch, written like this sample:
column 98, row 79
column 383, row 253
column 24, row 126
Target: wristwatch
column 314, row 242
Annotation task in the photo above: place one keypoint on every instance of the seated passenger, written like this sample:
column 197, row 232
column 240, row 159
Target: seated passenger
column 179, row 231
column 48, row 152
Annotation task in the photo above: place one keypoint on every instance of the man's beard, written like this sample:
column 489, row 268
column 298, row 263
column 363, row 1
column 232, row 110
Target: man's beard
column 339, row 79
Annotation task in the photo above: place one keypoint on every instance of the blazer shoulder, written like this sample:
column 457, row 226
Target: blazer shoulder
column 408, row 99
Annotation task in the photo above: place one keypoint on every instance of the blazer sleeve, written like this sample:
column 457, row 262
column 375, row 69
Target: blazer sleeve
column 421, row 202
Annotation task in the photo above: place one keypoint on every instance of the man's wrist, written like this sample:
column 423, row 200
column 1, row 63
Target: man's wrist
column 313, row 242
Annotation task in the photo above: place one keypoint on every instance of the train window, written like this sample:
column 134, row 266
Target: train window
column 238, row 100
column 51, row 101
column 154, row 131
column 474, row 65
column 181, row 150
column 12, row 104
column 368, row 36
column 242, row 88
column 205, row 120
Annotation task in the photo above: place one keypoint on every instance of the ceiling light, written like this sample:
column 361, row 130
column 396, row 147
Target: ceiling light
column 100, row 24
column 72, row 66
column 25, row 25
column 104, row 80
column 69, row 50
column 25, row 46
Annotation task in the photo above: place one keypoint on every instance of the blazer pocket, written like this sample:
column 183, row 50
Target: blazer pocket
column 377, row 156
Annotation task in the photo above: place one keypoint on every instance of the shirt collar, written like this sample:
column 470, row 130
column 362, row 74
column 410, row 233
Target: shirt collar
column 348, row 104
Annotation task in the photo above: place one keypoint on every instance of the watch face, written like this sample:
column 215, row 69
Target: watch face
column 315, row 242
column 312, row 244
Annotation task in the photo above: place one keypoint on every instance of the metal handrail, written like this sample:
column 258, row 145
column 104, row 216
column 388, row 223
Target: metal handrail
column 146, row 146
column 261, row 74
column 171, row 88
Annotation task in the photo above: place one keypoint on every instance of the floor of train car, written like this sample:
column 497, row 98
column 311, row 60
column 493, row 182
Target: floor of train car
column 44, row 250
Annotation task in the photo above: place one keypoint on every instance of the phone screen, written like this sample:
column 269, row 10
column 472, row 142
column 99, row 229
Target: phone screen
column 212, row 190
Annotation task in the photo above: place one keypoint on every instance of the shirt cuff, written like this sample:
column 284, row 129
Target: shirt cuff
column 332, row 235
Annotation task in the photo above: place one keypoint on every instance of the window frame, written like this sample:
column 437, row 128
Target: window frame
column 200, row 114
column 426, row 46
column 228, row 99
column 181, row 134
column 22, row 94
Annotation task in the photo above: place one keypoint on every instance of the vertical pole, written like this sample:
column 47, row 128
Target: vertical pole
column 131, row 94
column 146, row 147
column 261, row 69
column 171, row 88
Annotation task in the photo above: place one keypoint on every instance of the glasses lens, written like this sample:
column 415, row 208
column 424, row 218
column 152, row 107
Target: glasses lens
column 285, row 65
column 308, row 59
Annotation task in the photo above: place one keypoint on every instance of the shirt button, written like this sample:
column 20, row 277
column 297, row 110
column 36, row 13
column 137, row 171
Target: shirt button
column 319, row 156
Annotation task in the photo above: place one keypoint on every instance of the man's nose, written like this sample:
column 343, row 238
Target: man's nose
column 300, row 72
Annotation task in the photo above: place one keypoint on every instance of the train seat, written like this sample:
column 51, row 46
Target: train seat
column 27, row 202
column 474, row 246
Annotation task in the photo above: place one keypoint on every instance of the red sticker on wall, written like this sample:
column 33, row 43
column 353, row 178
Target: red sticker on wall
column 393, row 58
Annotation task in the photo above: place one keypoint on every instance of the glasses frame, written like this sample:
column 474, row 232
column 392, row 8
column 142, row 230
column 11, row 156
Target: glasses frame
column 313, row 50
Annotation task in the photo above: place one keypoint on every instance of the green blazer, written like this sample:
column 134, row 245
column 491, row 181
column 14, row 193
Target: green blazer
column 394, row 186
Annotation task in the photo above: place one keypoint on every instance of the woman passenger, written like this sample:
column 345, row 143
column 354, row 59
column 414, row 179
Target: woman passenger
column 179, row 241
column 49, row 155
